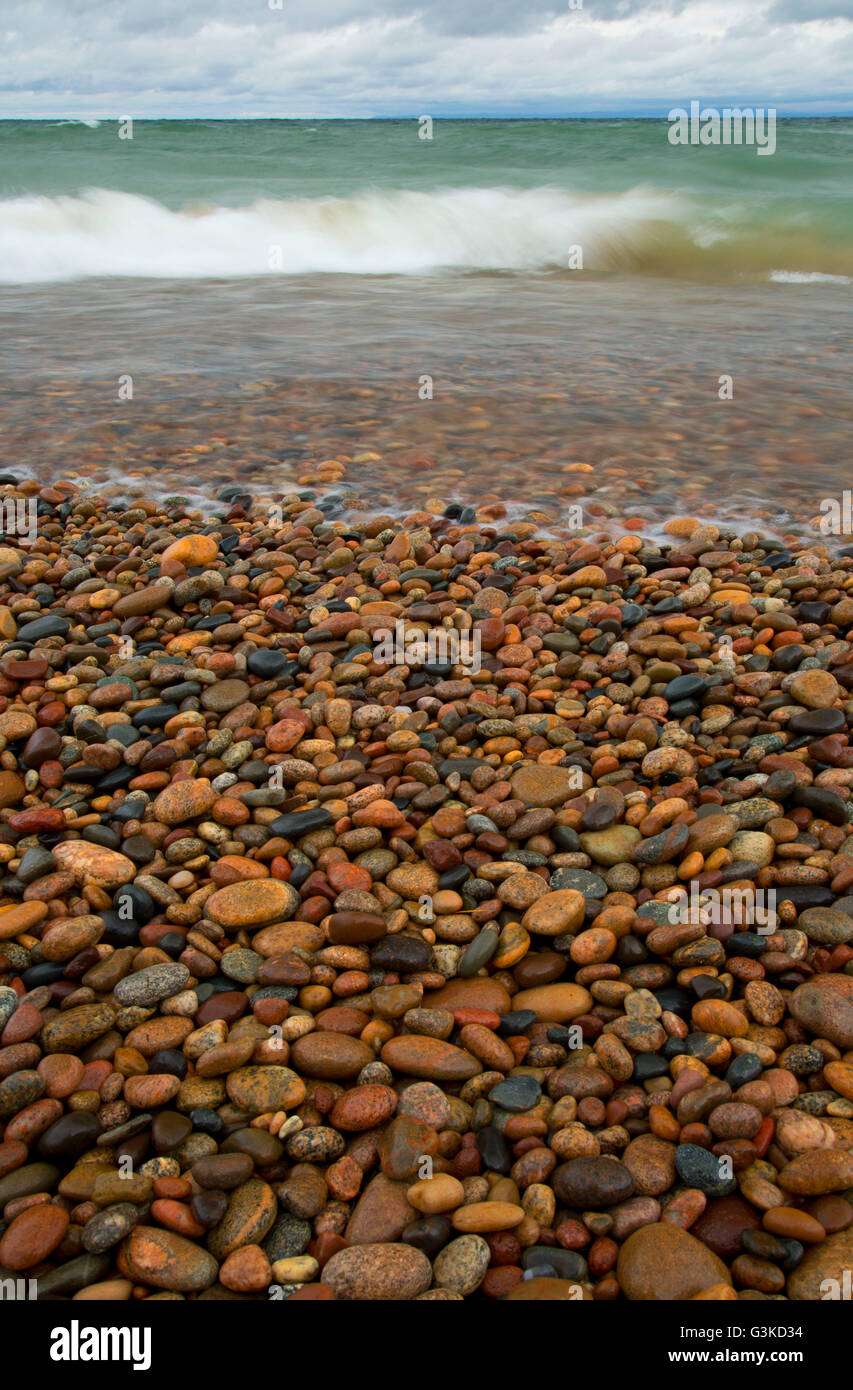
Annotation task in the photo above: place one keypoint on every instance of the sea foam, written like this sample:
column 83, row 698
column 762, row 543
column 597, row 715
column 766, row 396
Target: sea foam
column 642, row 231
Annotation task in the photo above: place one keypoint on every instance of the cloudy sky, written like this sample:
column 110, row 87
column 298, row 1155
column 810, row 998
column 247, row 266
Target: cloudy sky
column 400, row 57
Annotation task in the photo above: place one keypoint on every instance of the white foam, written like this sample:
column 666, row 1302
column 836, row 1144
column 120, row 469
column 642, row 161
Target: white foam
column 807, row 277
column 106, row 233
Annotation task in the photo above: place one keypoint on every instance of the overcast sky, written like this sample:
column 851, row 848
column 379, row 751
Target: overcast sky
column 397, row 57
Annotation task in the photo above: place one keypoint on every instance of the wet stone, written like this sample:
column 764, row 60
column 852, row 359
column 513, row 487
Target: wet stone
column 69, row 1137
column 589, row 1183
column 581, row 880
column 699, row 1168
column 517, row 1093
column 151, row 985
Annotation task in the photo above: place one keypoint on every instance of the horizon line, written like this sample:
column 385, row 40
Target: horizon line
column 782, row 114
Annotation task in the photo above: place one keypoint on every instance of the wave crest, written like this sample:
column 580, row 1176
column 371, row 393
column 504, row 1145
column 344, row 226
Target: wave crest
column 642, row 231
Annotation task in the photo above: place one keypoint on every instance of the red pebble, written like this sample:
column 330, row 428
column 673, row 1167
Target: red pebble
column 572, row 1234
column 466, row 1164
column 505, row 1247
column 497, row 1283
column 696, row 1134
column 763, row 1136
column 482, row 1016
column 607, row 1290
column 602, row 1256
column 176, row 1217
column 38, row 819
column 174, row 1188
column 325, row 1246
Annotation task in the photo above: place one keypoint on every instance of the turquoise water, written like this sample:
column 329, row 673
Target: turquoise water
column 193, row 199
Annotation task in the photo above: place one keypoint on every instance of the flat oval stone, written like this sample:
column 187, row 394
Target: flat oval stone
column 261, row 1089
column 32, row 1236
column 108, row 1227
column 70, row 1278
column 222, row 1171
column 824, row 804
column 330, row 1056
column 541, row 784
column 25, row 1181
column 819, row 722
column 152, row 984
column 381, row 1213
column 19, row 1090
column 252, row 903
column 89, row 863
column 50, row 626
column 70, row 1136
column 589, row 1183
column 687, row 687
column 517, row 1093
column 821, row 1170
column 266, row 663
column 826, row 925
column 364, row 1107
column 24, row 670
column 661, row 1263
column 356, row 928
column 404, row 955
column 43, row 744
column 429, row 1058
column 315, row 1144
column 187, row 800
column 487, row 994
column 697, row 1167
column 824, row 1005
column 297, row 823
column 556, row 912
column 480, row 951
column 164, row 1260
column 142, row 601
column 609, row 847
column 650, row 1161
column 462, row 1264
column 225, row 695
column 378, row 1273
column 815, row 689
column 662, row 848
column 556, row 1003
column 584, row 881
column 72, row 1030
column 20, row 918
column 252, row 1209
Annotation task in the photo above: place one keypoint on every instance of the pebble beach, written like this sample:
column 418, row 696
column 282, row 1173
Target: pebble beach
column 328, row 977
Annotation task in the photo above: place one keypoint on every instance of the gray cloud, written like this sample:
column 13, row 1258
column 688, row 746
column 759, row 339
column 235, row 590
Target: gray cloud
column 380, row 57
column 810, row 12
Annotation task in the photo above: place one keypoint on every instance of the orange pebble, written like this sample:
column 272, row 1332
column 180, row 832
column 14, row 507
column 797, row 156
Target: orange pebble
column 176, row 1217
